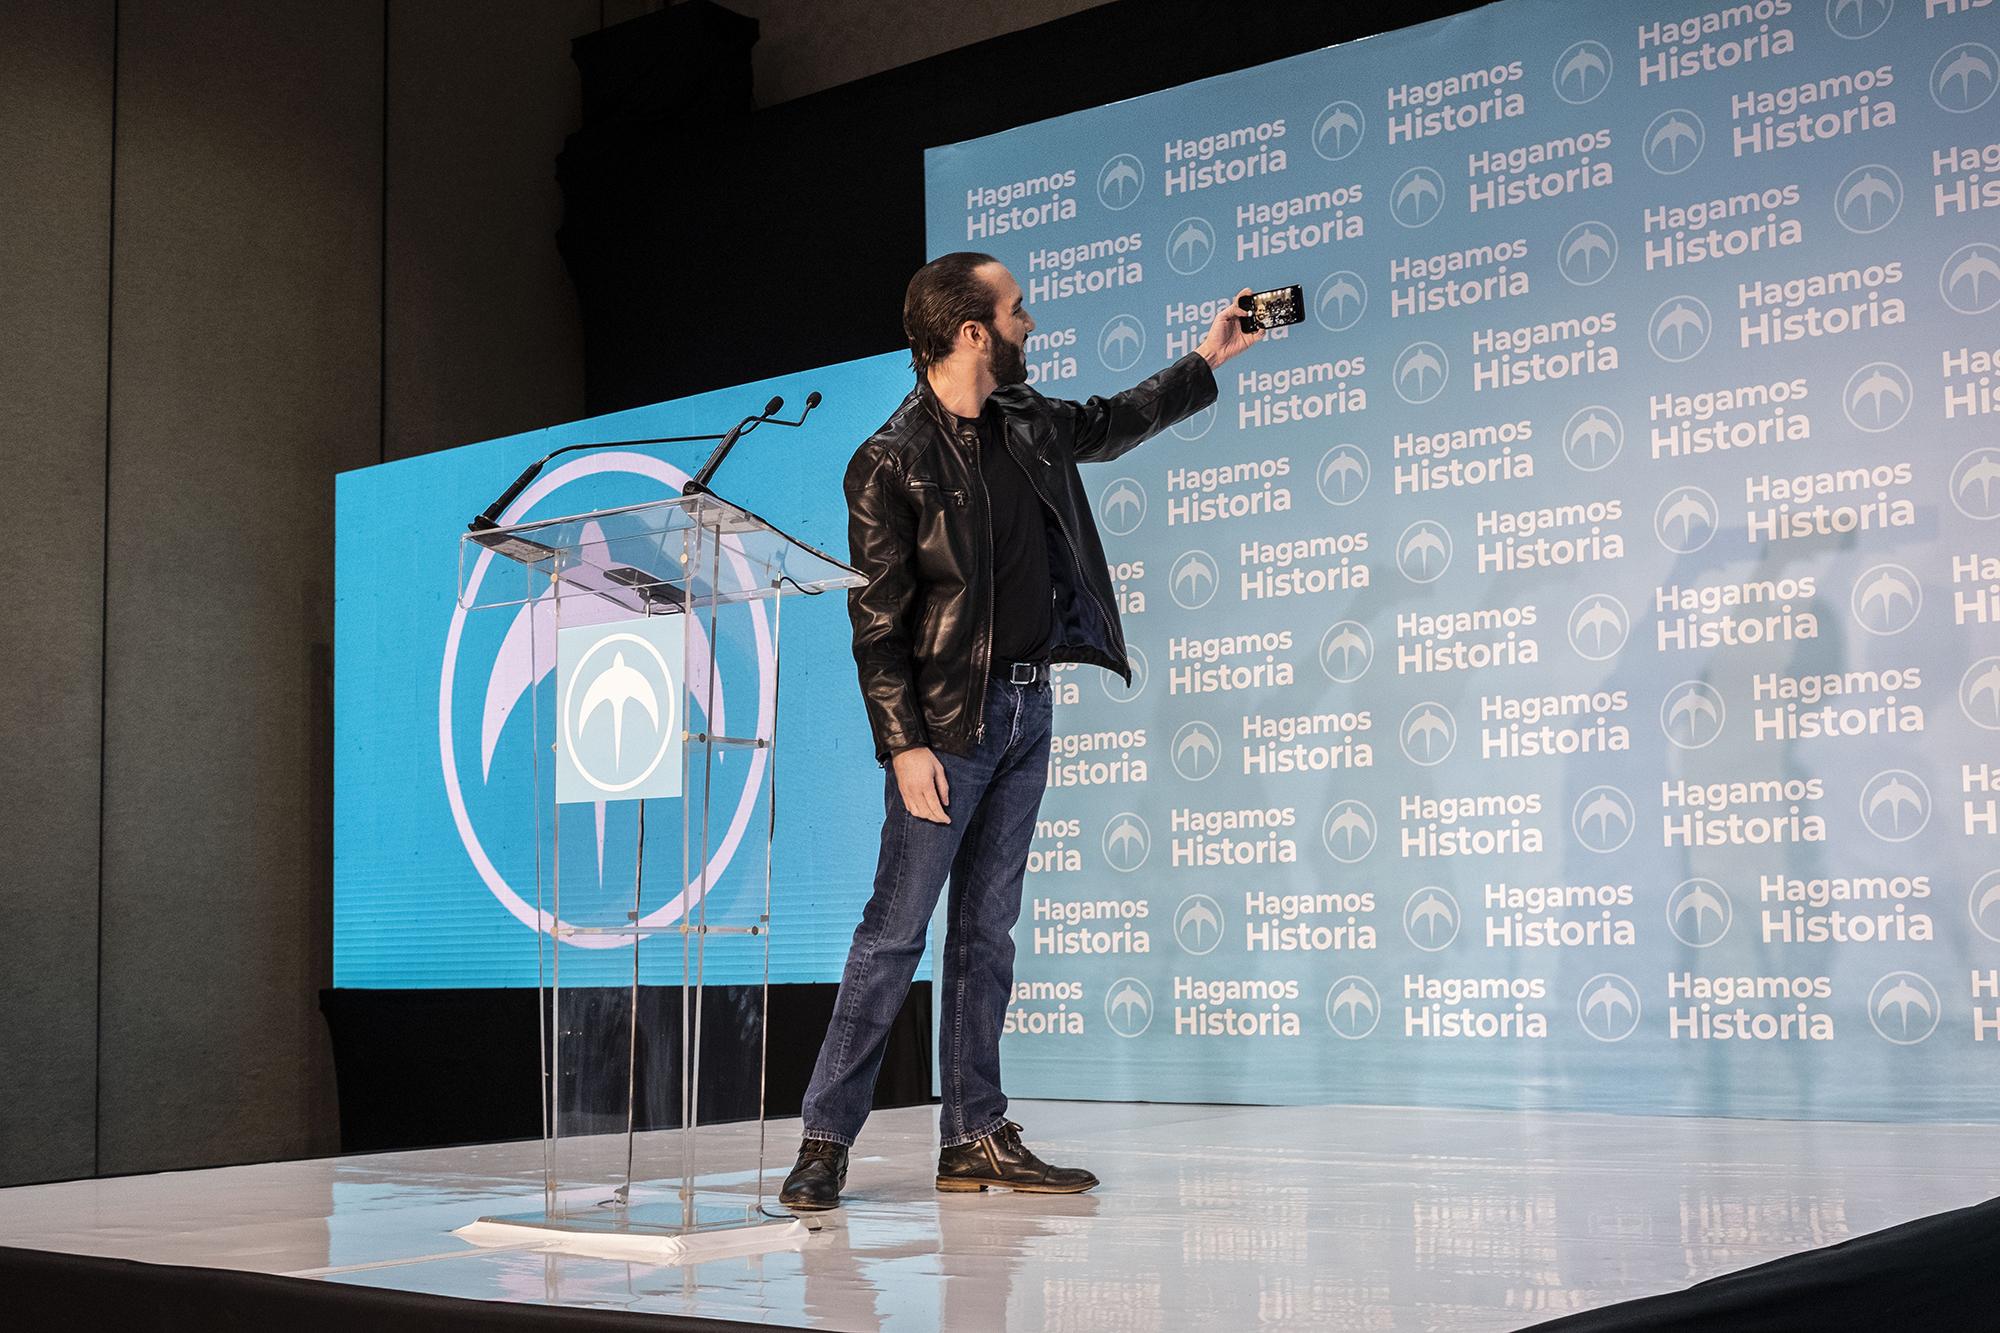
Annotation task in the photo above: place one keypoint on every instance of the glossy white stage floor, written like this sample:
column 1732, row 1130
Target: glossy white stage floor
column 1211, row 1217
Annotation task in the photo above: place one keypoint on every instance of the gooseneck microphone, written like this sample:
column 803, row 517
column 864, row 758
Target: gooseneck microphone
column 699, row 485
column 489, row 518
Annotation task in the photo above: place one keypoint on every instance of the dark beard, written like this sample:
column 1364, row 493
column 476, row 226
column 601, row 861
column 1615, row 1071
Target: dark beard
column 1007, row 361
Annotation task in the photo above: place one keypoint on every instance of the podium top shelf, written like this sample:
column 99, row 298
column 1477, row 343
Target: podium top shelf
column 673, row 554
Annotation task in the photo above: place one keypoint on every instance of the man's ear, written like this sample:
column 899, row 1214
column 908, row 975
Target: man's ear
column 974, row 330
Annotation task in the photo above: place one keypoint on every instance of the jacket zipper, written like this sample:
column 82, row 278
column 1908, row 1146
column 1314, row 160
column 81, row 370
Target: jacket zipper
column 986, row 667
column 1075, row 556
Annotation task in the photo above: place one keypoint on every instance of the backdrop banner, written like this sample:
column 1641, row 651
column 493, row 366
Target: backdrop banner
column 1567, row 672
column 434, row 808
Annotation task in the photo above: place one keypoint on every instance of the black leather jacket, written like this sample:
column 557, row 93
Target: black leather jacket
column 918, row 526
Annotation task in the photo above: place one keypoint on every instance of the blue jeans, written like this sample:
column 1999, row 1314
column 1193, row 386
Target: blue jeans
column 996, row 792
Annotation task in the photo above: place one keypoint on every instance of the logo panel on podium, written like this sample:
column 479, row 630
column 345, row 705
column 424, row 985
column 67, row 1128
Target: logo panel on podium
column 619, row 689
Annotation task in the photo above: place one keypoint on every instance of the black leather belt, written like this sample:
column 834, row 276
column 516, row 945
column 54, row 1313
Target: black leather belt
column 1021, row 673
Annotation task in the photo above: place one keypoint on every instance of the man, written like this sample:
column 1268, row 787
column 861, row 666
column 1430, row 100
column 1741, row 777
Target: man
column 984, row 566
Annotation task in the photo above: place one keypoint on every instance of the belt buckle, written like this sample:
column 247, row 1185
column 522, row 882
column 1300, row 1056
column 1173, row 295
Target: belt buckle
column 1014, row 670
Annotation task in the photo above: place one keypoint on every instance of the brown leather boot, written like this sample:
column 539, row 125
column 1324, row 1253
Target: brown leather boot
column 1001, row 1161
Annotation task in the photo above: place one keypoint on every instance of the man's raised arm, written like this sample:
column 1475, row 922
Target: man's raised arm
column 1104, row 428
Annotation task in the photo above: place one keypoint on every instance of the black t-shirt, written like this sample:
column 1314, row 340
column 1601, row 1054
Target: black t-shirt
column 1023, row 592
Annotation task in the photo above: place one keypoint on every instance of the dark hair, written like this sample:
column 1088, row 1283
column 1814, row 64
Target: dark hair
column 943, row 295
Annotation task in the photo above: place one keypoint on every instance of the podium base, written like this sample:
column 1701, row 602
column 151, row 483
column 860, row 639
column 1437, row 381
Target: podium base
column 657, row 1233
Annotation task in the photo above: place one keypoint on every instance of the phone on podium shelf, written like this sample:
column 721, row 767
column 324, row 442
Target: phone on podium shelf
column 1273, row 309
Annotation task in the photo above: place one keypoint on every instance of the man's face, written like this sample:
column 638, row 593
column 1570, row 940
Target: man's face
column 1007, row 355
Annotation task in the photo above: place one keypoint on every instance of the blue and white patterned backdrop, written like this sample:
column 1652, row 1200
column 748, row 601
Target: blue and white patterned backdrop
column 1568, row 665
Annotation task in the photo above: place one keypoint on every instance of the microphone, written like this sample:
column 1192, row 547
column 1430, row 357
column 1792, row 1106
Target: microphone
column 490, row 516
column 699, row 485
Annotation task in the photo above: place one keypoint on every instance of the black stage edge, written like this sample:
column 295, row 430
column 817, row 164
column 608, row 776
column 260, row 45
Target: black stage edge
column 1934, row 1273
column 69, row 1292
column 712, row 244
column 429, row 1068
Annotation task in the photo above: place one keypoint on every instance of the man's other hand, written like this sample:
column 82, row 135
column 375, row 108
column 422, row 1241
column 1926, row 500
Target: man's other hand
column 1226, row 337
column 920, row 778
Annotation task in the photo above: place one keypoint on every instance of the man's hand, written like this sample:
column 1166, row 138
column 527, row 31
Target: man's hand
column 920, row 778
column 1226, row 337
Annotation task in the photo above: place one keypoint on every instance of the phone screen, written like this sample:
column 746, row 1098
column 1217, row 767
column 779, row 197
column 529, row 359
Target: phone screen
column 1276, row 308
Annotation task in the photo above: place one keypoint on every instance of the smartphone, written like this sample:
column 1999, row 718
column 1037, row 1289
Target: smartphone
column 1273, row 309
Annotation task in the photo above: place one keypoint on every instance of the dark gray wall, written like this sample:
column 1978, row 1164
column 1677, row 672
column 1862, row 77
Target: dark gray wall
column 806, row 45
column 55, row 147
column 247, row 244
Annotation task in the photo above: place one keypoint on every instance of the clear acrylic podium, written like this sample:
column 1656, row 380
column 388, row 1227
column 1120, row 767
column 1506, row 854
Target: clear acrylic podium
column 652, row 651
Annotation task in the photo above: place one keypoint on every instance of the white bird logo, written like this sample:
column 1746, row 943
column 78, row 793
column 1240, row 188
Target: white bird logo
column 1871, row 187
column 1610, row 997
column 1599, row 617
column 1428, row 724
column 1895, row 793
column 1434, row 909
column 1350, row 821
column 1878, row 384
column 1886, row 588
column 618, row 686
column 1593, row 430
column 1128, row 999
column 1606, row 807
column 1699, row 900
column 1196, row 915
column 1419, row 362
column 1976, row 266
column 1347, row 643
column 1196, row 742
column 1122, row 497
column 1590, row 243
column 1987, row 899
column 1694, row 704
column 1903, row 995
column 1963, row 68
column 1676, row 131
column 1677, row 321
column 1422, row 543
column 1985, row 472
column 1987, row 682
column 1193, row 238
column 1119, row 174
column 1585, row 60
column 1194, row 573
column 1126, row 834
column 1353, row 999
column 1123, row 331
column 1689, row 509
column 1343, row 463
column 1340, row 291
column 1421, row 187
column 1341, row 119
